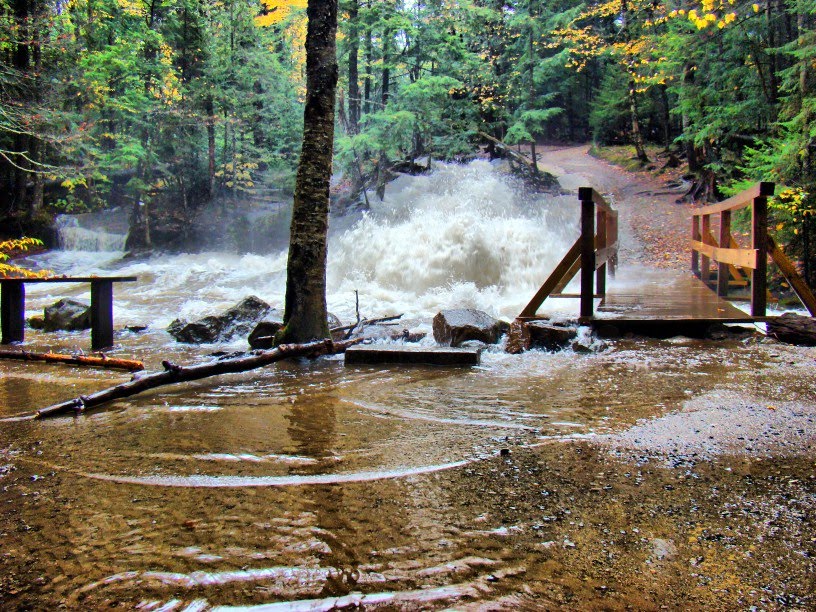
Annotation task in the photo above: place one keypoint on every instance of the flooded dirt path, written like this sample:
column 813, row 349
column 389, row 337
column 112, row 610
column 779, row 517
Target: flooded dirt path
column 655, row 474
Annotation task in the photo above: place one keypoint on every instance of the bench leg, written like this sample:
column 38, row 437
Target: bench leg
column 101, row 314
column 12, row 304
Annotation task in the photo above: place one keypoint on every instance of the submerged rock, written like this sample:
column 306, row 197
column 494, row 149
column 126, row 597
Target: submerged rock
column 263, row 336
column 453, row 327
column 234, row 322
column 550, row 336
column 67, row 314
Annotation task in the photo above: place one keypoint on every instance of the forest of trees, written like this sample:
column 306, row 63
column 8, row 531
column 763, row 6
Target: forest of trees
column 164, row 106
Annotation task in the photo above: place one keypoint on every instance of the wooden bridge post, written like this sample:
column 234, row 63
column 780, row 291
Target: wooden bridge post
column 12, row 303
column 759, row 237
column 101, row 314
column 705, row 261
column 587, row 251
column 723, row 272
column 695, row 236
column 612, row 238
column 600, row 274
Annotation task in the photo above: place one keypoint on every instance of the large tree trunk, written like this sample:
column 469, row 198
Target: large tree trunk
column 209, row 108
column 305, row 311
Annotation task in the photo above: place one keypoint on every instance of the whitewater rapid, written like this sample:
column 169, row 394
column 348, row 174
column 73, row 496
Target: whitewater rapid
column 464, row 236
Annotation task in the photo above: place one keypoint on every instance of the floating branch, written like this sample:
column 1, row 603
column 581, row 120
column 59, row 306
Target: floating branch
column 174, row 374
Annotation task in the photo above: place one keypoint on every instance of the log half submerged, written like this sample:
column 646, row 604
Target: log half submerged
column 174, row 374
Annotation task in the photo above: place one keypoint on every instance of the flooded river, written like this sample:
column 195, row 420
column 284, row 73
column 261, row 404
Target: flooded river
column 676, row 473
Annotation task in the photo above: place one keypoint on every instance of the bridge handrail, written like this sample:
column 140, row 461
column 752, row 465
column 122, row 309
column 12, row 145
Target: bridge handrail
column 739, row 201
column 726, row 252
column 594, row 250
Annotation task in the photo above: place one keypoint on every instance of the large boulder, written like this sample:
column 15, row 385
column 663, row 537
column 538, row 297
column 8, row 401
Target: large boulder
column 67, row 314
column 453, row 327
column 235, row 322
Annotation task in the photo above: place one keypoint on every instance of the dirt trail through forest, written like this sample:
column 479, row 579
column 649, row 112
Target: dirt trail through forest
column 654, row 227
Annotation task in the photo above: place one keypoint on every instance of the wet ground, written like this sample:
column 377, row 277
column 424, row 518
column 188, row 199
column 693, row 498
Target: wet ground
column 674, row 473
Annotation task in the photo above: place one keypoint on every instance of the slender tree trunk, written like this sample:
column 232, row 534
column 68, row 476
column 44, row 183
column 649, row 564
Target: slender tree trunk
column 666, row 116
column 637, row 137
column 209, row 108
column 353, row 76
column 386, row 71
column 369, row 49
column 691, row 151
column 305, row 310
column 532, row 90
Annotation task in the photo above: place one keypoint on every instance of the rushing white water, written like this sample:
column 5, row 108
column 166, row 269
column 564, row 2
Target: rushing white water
column 465, row 236
column 104, row 231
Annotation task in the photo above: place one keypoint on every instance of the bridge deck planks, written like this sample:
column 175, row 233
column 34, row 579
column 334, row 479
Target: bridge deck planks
column 667, row 296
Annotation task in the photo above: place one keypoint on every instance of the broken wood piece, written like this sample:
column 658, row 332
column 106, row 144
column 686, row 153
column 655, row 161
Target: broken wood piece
column 98, row 361
column 372, row 354
column 364, row 322
column 174, row 374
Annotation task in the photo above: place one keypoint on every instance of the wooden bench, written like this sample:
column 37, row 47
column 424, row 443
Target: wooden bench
column 12, row 304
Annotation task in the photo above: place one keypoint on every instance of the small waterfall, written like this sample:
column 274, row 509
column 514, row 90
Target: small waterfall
column 102, row 231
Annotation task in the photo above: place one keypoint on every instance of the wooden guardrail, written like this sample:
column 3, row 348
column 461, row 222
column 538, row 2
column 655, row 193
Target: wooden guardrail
column 12, row 306
column 594, row 253
column 730, row 258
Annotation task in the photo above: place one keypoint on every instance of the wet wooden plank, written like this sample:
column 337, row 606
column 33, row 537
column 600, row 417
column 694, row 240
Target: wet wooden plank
column 374, row 354
column 662, row 295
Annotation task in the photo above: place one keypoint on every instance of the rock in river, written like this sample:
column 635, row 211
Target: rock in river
column 453, row 327
column 67, row 314
column 237, row 321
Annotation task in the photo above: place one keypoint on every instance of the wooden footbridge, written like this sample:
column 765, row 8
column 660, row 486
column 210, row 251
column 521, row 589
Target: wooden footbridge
column 671, row 301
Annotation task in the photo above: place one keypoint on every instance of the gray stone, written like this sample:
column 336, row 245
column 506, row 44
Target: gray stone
column 551, row 337
column 67, row 314
column 453, row 327
column 234, row 322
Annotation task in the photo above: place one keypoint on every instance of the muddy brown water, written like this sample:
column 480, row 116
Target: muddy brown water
column 546, row 481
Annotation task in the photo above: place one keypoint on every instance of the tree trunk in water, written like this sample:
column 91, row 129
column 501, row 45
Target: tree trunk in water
column 637, row 137
column 305, row 311
column 353, row 76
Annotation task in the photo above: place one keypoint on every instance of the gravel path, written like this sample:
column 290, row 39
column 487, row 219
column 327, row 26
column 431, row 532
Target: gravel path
column 654, row 228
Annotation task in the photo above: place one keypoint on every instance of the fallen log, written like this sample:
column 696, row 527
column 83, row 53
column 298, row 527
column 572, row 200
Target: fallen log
column 793, row 329
column 174, row 374
column 98, row 361
column 530, row 169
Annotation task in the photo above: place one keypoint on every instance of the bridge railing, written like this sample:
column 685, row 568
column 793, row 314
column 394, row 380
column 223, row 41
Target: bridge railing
column 594, row 253
column 730, row 259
